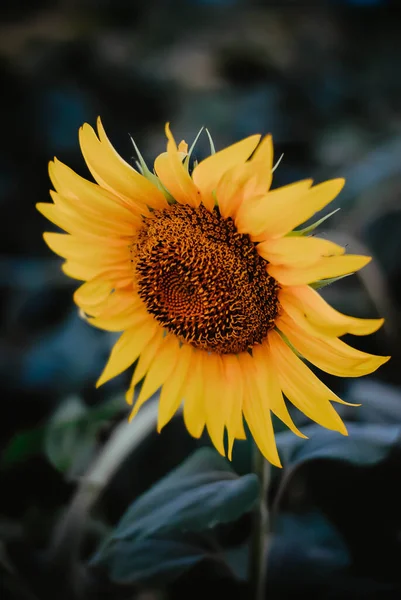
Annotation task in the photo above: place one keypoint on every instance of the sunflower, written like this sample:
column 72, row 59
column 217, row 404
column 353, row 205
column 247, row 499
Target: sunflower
column 199, row 266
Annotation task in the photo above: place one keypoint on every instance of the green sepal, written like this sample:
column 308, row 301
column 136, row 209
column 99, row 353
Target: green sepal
column 152, row 177
column 310, row 228
column 317, row 285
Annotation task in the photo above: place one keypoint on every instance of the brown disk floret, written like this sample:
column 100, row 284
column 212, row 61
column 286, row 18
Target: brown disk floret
column 204, row 281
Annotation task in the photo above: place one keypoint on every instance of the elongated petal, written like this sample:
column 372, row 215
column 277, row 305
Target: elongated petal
column 298, row 252
column 207, row 173
column 107, row 223
column 73, row 221
column 329, row 354
column 311, row 311
column 234, row 390
column 171, row 394
column 146, row 358
column 92, row 294
column 174, row 176
column 115, row 174
column 74, row 248
column 264, row 154
column 160, row 370
column 264, row 217
column 77, row 270
column 119, row 302
column 298, row 384
column 88, row 196
column 290, row 206
column 121, row 278
column 269, row 387
column 127, row 349
column 257, row 415
column 236, row 186
column 215, row 399
column 126, row 319
column 323, row 269
column 78, row 226
column 194, row 407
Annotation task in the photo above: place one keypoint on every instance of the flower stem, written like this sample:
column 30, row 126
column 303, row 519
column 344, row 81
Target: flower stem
column 260, row 524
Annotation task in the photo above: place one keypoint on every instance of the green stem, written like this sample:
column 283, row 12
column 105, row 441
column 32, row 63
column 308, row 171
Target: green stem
column 260, row 524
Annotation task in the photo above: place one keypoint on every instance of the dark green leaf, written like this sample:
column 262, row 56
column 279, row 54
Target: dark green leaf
column 198, row 495
column 71, row 437
column 366, row 444
column 203, row 492
column 305, row 548
column 381, row 401
column 144, row 560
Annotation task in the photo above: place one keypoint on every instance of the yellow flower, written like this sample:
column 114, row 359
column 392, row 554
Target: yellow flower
column 209, row 284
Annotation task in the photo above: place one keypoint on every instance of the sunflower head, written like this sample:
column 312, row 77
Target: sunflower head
column 213, row 290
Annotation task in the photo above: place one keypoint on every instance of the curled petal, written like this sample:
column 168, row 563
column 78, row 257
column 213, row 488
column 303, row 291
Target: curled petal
column 329, row 354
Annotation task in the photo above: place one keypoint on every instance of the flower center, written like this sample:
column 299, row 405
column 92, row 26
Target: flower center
column 204, row 281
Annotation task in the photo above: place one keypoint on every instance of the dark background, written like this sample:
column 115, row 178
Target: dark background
column 324, row 79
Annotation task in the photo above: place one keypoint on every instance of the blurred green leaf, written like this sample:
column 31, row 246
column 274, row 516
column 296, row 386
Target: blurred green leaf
column 366, row 444
column 198, row 495
column 201, row 493
column 70, row 440
column 67, row 438
column 305, row 548
column 381, row 401
column 23, row 445
column 150, row 558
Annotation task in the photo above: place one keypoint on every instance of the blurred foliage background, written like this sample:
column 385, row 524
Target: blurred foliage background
column 324, row 78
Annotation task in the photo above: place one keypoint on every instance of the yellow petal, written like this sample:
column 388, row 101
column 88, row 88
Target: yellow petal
column 215, row 399
column 246, row 181
column 119, row 302
column 269, row 387
column 127, row 349
column 325, row 268
column 235, row 186
column 174, row 176
column 86, row 226
column 146, row 358
column 77, row 270
column 263, row 217
column 171, row 394
column 105, row 222
column 299, row 385
column 115, row 174
column 312, row 312
column 194, row 407
column 234, row 390
column 288, row 207
column 160, row 370
column 87, row 196
column 298, row 251
column 329, row 354
column 121, row 278
column 183, row 147
column 264, row 153
column 92, row 294
column 75, row 248
column 207, row 173
column 130, row 317
column 257, row 414
column 262, row 165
